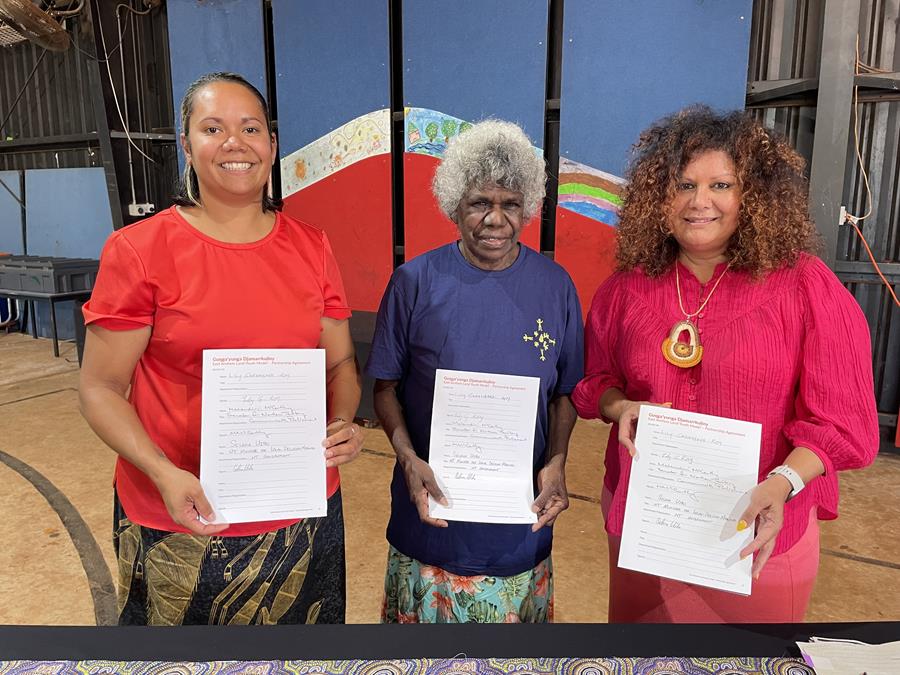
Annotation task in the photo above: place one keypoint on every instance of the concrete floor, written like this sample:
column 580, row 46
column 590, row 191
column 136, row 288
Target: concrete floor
column 57, row 560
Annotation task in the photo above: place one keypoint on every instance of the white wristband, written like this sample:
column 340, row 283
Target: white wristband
column 792, row 476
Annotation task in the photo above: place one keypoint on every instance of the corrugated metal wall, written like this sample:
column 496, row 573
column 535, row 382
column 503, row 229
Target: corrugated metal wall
column 54, row 104
column 53, row 122
column 786, row 44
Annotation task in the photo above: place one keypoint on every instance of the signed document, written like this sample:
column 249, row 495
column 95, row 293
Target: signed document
column 689, row 485
column 263, row 422
column 482, row 446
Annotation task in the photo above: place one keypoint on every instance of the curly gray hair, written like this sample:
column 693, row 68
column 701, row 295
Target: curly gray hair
column 489, row 152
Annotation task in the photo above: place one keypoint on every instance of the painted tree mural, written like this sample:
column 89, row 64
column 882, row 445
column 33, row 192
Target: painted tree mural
column 448, row 128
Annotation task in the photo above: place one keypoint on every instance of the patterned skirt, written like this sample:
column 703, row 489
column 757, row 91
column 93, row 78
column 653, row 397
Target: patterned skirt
column 292, row 575
column 419, row 593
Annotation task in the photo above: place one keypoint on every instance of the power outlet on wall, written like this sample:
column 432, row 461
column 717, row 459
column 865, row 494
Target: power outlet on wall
column 138, row 210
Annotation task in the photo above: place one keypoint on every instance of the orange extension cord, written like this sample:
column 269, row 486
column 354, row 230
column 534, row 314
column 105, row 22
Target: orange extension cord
column 849, row 218
column 852, row 221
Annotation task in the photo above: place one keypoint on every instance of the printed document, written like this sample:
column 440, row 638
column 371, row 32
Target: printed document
column 838, row 657
column 689, row 485
column 482, row 446
column 263, row 423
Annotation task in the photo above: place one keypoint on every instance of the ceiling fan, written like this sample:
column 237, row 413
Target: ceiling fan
column 22, row 20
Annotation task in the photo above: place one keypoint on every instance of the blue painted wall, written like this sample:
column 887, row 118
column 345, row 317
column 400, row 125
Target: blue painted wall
column 67, row 212
column 626, row 64
column 10, row 214
column 67, row 215
column 333, row 64
column 477, row 58
column 211, row 35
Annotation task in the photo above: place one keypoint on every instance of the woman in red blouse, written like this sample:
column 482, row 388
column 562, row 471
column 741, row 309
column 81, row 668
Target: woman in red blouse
column 223, row 269
column 720, row 307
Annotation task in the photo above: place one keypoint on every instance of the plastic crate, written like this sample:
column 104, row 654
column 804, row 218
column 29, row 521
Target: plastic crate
column 11, row 270
column 44, row 274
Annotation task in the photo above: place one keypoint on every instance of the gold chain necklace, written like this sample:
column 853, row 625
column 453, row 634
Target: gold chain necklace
column 687, row 354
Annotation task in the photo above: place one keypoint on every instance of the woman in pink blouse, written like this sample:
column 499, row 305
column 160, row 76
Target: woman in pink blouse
column 720, row 307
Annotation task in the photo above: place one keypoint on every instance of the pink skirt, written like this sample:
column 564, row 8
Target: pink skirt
column 780, row 595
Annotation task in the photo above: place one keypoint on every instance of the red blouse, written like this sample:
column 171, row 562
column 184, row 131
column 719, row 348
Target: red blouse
column 790, row 351
column 200, row 293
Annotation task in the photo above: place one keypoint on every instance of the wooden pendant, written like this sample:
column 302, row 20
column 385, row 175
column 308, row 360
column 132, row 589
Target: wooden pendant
column 683, row 354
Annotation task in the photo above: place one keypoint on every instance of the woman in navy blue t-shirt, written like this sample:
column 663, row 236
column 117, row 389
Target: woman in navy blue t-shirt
column 484, row 303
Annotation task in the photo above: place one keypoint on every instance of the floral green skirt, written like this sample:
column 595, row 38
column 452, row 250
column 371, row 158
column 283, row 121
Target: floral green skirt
column 419, row 593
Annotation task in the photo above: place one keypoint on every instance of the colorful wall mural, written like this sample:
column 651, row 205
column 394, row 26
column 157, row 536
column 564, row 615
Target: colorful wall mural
column 341, row 183
column 625, row 65
column 591, row 192
column 586, row 215
column 427, row 134
column 334, row 130
column 366, row 136
column 429, row 131
column 334, row 90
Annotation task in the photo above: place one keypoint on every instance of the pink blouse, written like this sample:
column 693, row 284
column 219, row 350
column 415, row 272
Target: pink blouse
column 790, row 351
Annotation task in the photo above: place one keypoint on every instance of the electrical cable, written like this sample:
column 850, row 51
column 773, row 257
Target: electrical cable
column 138, row 51
column 133, row 10
column 96, row 58
column 112, row 84
column 65, row 13
column 862, row 168
column 126, row 122
column 872, row 258
column 849, row 217
column 114, row 49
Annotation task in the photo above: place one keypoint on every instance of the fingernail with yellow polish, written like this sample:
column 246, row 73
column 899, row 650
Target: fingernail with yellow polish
column 742, row 525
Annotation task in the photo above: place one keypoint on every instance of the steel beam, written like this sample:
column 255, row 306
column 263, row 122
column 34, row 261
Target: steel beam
column 143, row 136
column 22, row 205
column 398, row 129
column 64, row 140
column 829, row 159
column 889, row 81
column 773, row 90
column 864, row 268
column 553, row 89
column 95, row 83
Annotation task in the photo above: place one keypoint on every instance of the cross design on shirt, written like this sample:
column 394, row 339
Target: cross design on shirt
column 541, row 339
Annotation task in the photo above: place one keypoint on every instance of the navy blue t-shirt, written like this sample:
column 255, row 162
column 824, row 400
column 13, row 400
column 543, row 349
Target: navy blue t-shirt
column 439, row 311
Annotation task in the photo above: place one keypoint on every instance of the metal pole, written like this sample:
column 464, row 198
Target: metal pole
column 398, row 130
column 102, row 121
column 551, row 124
column 829, row 158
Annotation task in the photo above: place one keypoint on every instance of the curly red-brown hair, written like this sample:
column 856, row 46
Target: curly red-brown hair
column 773, row 222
